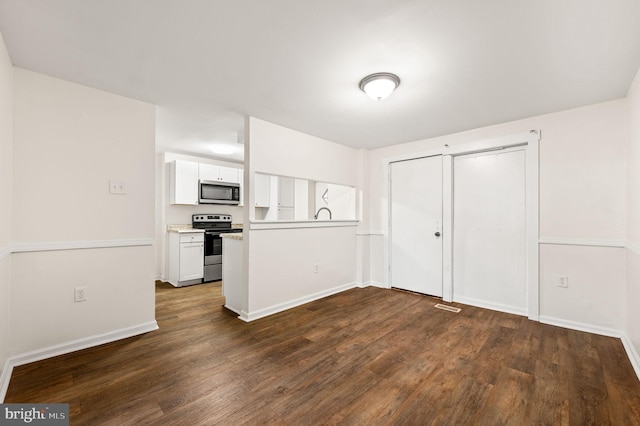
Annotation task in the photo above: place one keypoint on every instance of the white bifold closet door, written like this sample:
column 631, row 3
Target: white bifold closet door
column 416, row 225
column 489, row 252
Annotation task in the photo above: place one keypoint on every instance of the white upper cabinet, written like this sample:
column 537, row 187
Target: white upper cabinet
column 285, row 191
column 185, row 176
column 218, row 173
column 183, row 182
column 263, row 190
column 286, row 213
column 229, row 175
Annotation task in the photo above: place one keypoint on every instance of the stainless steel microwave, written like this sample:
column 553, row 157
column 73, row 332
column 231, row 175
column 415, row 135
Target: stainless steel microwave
column 215, row 192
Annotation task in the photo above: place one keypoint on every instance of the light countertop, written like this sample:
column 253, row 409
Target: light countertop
column 233, row 236
column 183, row 229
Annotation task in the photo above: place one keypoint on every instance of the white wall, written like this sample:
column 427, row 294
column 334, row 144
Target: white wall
column 633, row 217
column 281, row 262
column 582, row 201
column 159, row 245
column 176, row 214
column 6, row 142
column 277, row 150
column 69, row 141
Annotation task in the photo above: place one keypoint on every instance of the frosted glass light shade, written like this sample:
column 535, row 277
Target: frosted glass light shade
column 222, row 149
column 380, row 85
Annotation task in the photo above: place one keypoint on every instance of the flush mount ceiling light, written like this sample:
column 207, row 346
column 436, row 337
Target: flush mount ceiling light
column 222, row 149
column 379, row 86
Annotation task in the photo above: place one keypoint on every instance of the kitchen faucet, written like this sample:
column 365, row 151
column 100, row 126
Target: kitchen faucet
column 323, row 208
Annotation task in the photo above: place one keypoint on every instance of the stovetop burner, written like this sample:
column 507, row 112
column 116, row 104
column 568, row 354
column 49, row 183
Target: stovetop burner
column 211, row 222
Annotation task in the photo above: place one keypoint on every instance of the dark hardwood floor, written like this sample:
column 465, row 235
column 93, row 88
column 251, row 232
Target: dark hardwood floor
column 363, row 357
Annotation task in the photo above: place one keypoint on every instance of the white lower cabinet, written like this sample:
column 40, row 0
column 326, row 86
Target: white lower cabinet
column 186, row 258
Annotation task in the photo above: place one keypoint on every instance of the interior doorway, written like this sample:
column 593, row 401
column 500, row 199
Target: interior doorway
column 465, row 265
column 416, row 225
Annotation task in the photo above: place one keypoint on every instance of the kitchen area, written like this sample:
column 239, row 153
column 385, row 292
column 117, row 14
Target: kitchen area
column 200, row 214
column 198, row 200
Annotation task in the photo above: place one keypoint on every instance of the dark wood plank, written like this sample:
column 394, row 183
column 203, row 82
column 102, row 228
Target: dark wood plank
column 365, row 356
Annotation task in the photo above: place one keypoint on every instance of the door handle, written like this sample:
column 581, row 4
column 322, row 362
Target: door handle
column 437, row 234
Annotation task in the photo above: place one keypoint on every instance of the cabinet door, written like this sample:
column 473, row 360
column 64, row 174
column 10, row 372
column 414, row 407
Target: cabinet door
column 208, row 172
column 285, row 191
column 285, row 213
column 228, row 174
column 183, row 183
column 263, row 190
column 191, row 261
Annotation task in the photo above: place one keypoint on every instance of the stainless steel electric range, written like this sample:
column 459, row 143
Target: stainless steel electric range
column 213, row 225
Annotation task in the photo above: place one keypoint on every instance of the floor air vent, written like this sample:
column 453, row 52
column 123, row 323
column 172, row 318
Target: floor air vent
column 447, row 308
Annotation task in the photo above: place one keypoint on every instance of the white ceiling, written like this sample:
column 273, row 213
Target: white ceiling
column 208, row 63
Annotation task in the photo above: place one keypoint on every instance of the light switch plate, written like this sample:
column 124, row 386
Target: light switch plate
column 80, row 294
column 561, row 280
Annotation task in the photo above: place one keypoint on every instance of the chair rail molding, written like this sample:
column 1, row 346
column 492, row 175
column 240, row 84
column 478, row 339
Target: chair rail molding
column 5, row 251
column 79, row 245
column 592, row 242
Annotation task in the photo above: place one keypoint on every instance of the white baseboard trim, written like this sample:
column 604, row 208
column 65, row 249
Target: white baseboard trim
column 79, row 344
column 489, row 305
column 232, row 309
column 579, row 326
column 270, row 310
column 373, row 284
column 5, row 377
column 68, row 347
column 633, row 355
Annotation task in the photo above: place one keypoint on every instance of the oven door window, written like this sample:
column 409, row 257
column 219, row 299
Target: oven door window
column 212, row 244
column 212, row 248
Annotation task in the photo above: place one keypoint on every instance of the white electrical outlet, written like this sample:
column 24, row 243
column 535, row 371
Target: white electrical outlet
column 80, row 294
column 561, row 280
column 315, row 268
column 117, row 187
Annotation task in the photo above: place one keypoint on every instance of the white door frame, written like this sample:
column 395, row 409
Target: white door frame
column 530, row 142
